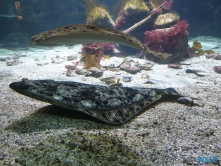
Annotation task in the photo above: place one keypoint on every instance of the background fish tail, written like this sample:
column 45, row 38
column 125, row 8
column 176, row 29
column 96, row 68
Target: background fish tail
column 160, row 55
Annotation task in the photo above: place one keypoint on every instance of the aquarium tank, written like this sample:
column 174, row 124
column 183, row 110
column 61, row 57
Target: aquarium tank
column 110, row 83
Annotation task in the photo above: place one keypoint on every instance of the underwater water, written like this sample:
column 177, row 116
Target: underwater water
column 98, row 82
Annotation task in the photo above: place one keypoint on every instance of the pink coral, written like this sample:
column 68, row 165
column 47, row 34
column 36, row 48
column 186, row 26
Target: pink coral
column 98, row 48
column 167, row 4
column 217, row 57
column 120, row 19
column 160, row 39
column 217, row 69
column 158, row 11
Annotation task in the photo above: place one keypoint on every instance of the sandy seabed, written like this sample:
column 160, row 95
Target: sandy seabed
column 36, row 133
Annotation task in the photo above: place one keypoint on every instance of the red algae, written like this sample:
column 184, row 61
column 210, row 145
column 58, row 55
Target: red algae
column 121, row 19
column 98, row 48
column 167, row 4
column 160, row 39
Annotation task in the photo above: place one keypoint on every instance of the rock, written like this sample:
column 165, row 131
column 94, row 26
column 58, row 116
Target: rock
column 72, row 65
column 217, row 69
column 166, row 20
column 42, row 63
column 132, row 9
column 58, row 59
column 13, row 62
column 185, row 63
column 144, row 64
column 71, row 57
column 127, row 79
column 94, row 72
column 133, row 65
column 70, row 73
column 116, row 84
column 197, row 72
column 185, row 100
column 175, row 66
column 81, row 71
column 3, row 58
column 172, row 80
column 23, row 54
column 173, row 40
column 115, row 69
column 113, row 62
column 99, row 16
column 130, row 67
column 108, row 80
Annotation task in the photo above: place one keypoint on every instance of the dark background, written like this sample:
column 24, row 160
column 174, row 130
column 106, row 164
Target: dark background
column 203, row 16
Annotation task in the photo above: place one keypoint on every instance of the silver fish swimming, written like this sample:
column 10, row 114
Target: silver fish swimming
column 113, row 105
column 85, row 33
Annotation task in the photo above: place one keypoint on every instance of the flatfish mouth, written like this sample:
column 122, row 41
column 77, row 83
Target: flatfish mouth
column 113, row 105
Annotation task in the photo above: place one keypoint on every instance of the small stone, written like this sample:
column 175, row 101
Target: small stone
column 94, row 72
column 71, row 57
column 166, row 20
column 185, row 63
column 130, row 66
column 13, row 62
column 81, row 71
column 42, row 63
column 58, row 59
column 3, row 58
column 116, row 84
column 197, row 72
column 127, row 78
column 185, row 100
column 72, row 65
column 144, row 64
column 108, row 80
column 70, row 73
column 175, row 66
column 23, row 54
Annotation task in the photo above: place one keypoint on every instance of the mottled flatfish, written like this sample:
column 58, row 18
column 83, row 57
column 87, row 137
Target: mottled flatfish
column 114, row 105
column 85, row 33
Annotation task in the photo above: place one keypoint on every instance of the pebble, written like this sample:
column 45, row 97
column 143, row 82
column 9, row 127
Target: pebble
column 81, row 71
column 134, row 65
column 108, row 80
column 71, row 57
column 185, row 100
column 217, row 69
column 127, row 79
column 144, row 64
column 42, row 63
column 3, row 58
column 13, row 62
column 175, row 66
column 185, row 63
column 130, row 67
column 94, row 72
column 72, row 65
column 58, row 59
column 70, row 73
column 197, row 72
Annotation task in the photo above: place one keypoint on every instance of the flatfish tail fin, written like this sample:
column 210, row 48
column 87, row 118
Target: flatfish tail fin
column 160, row 55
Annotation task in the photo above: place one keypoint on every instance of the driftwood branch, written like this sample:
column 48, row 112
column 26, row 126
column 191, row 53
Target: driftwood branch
column 142, row 21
